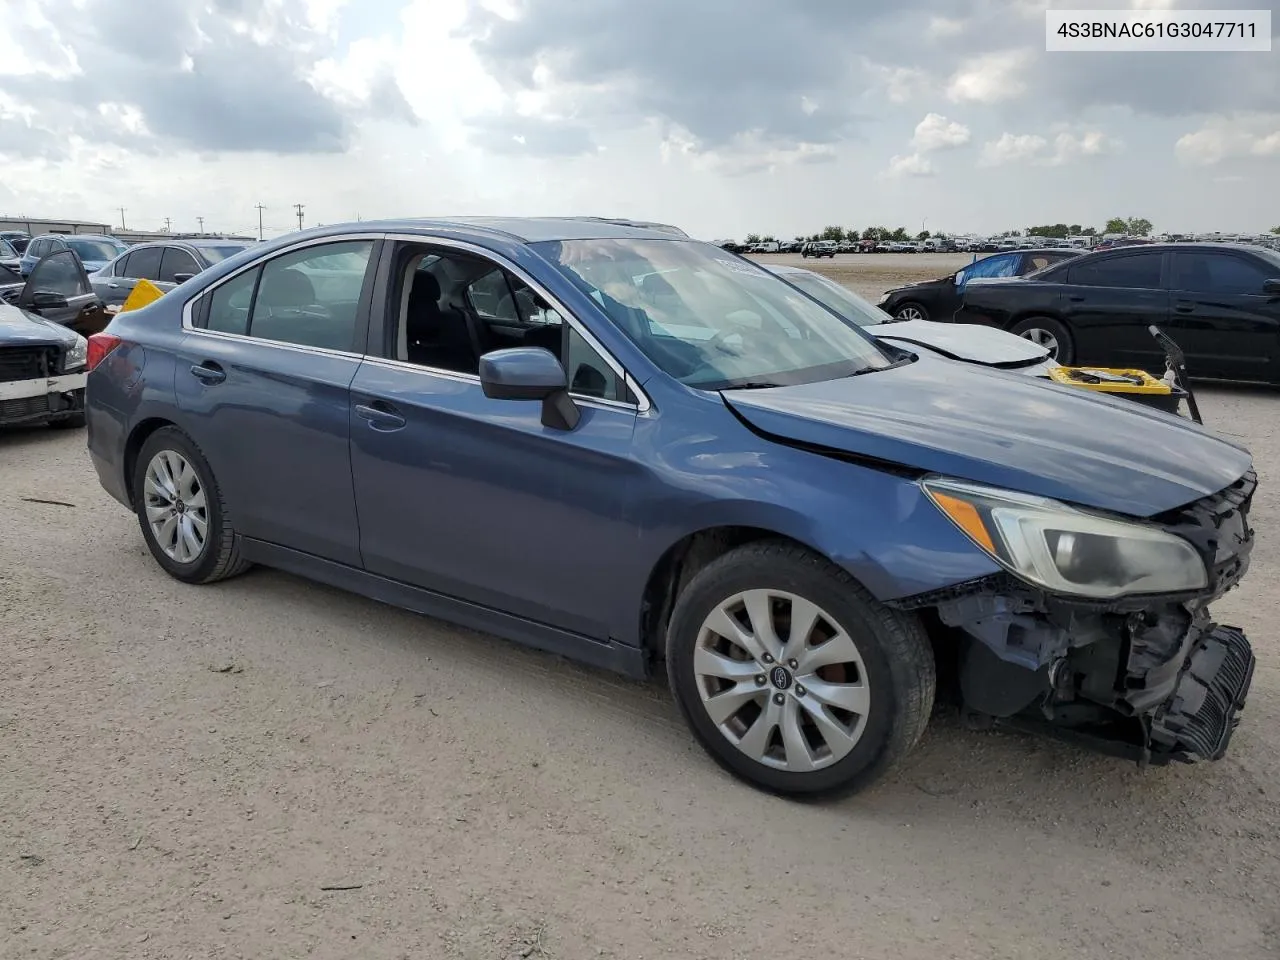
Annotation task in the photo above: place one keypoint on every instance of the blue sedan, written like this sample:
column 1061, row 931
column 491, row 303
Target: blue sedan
column 612, row 442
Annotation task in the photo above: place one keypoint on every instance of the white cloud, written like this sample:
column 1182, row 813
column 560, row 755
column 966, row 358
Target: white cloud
column 940, row 27
column 1065, row 148
column 1229, row 139
column 936, row 132
column 1012, row 148
column 989, row 79
column 899, row 84
column 911, row 165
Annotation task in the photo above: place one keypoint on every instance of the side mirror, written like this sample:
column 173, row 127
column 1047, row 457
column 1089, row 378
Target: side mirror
column 1271, row 287
column 182, row 277
column 530, row 373
column 48, row 300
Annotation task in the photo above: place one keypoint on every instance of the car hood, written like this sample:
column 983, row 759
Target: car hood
column 963, row 341
column 1003, row 429
column 921, row 285
column 18, row 328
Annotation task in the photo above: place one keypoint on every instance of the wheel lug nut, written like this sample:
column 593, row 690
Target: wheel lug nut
column 768, row 658
column 760, row 681
column 800, row 691
column 779, row 699
column 793, row 664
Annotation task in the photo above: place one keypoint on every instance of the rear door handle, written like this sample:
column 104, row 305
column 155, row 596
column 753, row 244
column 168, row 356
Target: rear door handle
column 208, row 372
column 113, row 285
column 381, row 415
column 1184, row 306
column 1075, row 298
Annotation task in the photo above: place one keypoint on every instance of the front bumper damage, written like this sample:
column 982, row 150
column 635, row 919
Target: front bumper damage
column 1151, row 678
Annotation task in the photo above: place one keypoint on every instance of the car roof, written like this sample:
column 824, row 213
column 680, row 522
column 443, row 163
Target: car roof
column 77, row 236
column 523, row 229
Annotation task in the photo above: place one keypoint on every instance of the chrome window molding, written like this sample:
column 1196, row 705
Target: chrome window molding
column 643, row 405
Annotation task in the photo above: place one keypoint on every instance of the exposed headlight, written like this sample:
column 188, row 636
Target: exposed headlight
column 77, row 355
column 884, row 298
column 1066, row 550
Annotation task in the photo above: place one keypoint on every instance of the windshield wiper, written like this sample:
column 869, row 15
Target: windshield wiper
column 755, row 385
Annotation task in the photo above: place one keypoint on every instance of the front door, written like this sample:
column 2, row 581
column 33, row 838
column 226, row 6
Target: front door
column 1221, row 317
column 1110, row 302
column 263, row 380
column 58, row 289
column 475, row 498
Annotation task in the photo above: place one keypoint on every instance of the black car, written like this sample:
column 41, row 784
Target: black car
column 17, row 239
column 1219, row 302
column 166, row 264
column 939, row 299
column 43, row 351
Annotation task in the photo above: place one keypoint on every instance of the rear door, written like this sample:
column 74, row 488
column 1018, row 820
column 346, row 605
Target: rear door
column 1221, row 317
column 263, row 379
column 143, row 264
column 59, row 290
column 176, row 266
column 1110, row 301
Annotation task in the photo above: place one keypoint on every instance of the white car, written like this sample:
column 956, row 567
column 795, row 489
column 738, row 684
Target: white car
column 968, row 342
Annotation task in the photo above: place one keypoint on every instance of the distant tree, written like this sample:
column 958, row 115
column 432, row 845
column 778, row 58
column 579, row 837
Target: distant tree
column 1074, row 230
column 832, row 233
column 1276, row 230
column 851, row 234
column 753, row 238
column 1116, row 225
column 899, row 233
column 923, row 235
column 875, row 233
column 768, row 238
column 1089, row 232
column 1057, row 230
column 1140, row 227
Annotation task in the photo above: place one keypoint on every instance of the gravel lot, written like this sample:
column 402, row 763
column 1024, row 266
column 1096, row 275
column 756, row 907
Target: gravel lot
column 184, row 770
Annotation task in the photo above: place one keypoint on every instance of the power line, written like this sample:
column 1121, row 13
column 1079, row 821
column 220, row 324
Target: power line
column 260, row 209
column 200, row 220
column 122, row 226
column 298, row 207
column 167, row 221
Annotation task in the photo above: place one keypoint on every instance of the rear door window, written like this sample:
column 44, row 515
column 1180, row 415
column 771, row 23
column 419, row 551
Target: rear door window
column 144, row 264
column 1217, row 273
column 1141, row 271
column 176, row 261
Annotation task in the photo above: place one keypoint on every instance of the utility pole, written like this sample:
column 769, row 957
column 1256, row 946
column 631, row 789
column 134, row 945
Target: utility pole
column 166, row 224
column 200, row 220
column 298, row 207
column 260, row 209
column 122, row 226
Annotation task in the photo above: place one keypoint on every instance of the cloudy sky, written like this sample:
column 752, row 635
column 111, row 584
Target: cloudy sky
column 724, row 116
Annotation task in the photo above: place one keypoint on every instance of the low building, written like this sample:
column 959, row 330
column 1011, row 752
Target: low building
column 35, row 226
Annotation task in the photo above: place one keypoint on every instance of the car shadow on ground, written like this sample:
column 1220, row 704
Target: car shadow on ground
column 32, row 435
column 997, row 779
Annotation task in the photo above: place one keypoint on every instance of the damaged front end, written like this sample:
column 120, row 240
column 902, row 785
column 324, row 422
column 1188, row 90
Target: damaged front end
column 1148, row 676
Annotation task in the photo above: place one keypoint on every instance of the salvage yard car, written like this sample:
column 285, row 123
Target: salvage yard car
column 165, row 264
column 939, row 299
column 958, row 341
column 634, row 448
column 42, row 360
column 93, row 250
column 1220, row 302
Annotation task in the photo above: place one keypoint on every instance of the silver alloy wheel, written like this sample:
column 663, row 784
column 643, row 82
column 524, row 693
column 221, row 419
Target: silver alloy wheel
column 909, row 313
column 781, row 680
column 1042, row 338
column 177, row 510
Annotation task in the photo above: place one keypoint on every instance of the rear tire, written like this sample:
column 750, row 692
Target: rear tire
column 911, row 311
column 808, row 720
column 1050, row 333
column 180, row 509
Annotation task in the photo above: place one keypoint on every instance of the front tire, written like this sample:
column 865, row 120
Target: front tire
column 180, row 508
column 911, row 311
column 1049, row 333
column 821, row 710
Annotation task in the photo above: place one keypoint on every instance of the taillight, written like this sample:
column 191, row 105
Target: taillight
column 101, row 344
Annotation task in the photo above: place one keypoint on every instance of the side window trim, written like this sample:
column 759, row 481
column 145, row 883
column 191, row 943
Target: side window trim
column 642, row 404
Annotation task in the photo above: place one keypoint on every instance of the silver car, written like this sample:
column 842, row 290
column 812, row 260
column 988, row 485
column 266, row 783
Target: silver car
column 165, row 263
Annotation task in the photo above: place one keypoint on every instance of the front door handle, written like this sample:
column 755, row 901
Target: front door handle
column 381, row 415
column 1075, row 298
column 208, row 372
column 1184, row 306
column 113, row 285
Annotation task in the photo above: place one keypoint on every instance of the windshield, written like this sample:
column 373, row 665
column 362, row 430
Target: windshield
column 710, row 319
column 217, row 254
column 6, row 249
column 840, row 299
column 94, row 250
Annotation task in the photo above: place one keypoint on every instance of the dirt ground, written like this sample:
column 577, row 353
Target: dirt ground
column 183, row 771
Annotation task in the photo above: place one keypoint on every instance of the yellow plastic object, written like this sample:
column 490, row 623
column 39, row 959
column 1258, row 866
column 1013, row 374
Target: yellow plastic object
column 1134, row 381
column 144, row 293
